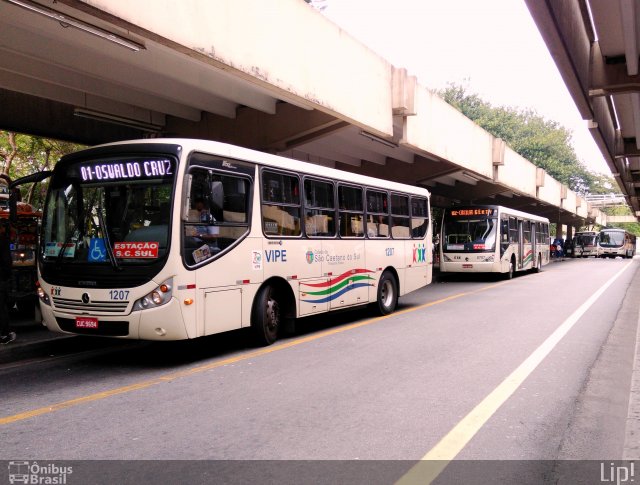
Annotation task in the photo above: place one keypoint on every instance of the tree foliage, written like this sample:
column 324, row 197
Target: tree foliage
column 543, row 142
column 22, row 155
column 632, row 227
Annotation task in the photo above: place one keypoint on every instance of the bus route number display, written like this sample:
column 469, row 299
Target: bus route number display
column 123, row 170
column 471, row 212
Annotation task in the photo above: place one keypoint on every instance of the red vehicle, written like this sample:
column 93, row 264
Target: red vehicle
column 23, row 239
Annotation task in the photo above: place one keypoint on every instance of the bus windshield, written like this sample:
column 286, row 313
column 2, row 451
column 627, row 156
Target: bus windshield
column 109, row 213
column 477, row 234
column 611, row 239
column 585, row 240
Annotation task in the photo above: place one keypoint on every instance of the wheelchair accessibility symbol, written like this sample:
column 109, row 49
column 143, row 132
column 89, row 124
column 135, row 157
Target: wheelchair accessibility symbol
column 97, row 250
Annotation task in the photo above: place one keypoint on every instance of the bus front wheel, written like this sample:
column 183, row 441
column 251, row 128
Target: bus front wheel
column 387, row 294
column 266, row 316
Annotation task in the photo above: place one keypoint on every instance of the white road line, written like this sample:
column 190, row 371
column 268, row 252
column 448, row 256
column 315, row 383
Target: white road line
column 437, row 459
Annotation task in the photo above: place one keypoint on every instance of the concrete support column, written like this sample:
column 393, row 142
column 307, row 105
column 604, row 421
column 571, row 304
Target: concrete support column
column 559, row 232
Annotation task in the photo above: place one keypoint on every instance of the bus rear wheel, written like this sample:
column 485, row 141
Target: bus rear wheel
column 538, row 267
column 266, row 316
column 512, row 269
column 387, row 294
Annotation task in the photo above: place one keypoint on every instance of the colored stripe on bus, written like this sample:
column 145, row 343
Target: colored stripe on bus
column 333, row 296
column 332, row 282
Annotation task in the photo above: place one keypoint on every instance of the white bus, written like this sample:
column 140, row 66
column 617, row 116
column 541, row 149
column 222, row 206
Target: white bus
column 178, row 238
column 492, row 239
column 614, row 242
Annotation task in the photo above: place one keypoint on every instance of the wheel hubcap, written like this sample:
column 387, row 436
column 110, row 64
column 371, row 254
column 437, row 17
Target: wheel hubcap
column 273, row 314
column 386, row 293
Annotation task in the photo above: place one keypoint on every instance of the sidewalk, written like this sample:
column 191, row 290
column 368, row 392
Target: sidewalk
column 32, row 338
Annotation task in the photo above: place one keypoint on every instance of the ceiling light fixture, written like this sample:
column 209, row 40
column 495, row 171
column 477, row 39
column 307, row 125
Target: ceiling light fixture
column 67, row 21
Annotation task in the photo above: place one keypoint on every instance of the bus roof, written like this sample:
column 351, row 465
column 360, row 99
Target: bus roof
column 504, row 210
column 245, row 154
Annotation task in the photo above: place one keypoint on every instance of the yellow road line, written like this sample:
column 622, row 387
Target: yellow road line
column 231, row 360
column 437, row 459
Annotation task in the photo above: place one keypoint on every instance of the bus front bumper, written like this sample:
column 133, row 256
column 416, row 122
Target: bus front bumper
column 160, row 323
column 471, row 267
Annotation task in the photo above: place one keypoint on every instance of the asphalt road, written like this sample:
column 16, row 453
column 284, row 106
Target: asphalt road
column 535, row 370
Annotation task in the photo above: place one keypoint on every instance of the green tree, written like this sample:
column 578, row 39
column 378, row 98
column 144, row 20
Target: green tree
column 22, row 155
column 621, row 210
column 544, row 143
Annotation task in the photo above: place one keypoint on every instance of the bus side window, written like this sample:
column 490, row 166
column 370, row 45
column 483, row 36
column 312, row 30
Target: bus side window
column 351, row 211
column 377, row 221
column 526, row 232
column 419, row 217
column 280, row 204
column 319, row 215
column 504, row 231
column 400, row 222
column 218, row 214
column 513, row 230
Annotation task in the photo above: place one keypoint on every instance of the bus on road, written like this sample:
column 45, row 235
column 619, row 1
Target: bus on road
column 614, row 242
column 179, row 238
column 492, row 239
column 585, row 244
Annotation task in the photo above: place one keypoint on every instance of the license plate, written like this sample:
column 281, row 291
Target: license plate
column 86, row 322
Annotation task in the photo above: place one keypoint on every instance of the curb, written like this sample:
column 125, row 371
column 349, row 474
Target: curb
column 22, row 350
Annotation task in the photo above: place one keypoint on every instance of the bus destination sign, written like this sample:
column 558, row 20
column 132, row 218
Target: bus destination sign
column 125, row 170
column 480, row 211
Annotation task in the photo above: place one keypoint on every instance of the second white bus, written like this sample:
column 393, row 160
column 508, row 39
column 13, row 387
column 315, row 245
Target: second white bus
column 614, row 242
column 179, row 238
column 492, row 239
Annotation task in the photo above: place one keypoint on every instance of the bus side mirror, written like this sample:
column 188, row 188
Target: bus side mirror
column 14, row 192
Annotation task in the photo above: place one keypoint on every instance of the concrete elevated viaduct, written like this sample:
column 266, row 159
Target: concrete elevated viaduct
column 276, row 77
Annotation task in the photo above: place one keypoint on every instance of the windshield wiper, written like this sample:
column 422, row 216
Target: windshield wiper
column 67, row 240
column 105, row 235
column 63, row 250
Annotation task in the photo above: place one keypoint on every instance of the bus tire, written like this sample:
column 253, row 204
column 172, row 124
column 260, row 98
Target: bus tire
column 538, row 267
column 387, row 294
column 512, row 268
column 266, row 316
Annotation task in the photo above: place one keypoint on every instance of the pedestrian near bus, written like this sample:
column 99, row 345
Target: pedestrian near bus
column 5, row 283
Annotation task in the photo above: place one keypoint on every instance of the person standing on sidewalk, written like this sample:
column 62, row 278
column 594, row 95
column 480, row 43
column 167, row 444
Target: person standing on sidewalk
column 5, row 282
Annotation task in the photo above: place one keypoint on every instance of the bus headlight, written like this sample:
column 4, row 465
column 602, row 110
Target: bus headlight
column 489, row 259
column 44, row 298
column 158, row 297
column 446, row 258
